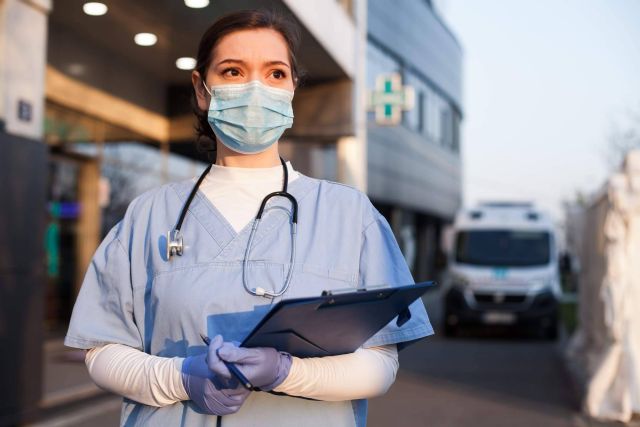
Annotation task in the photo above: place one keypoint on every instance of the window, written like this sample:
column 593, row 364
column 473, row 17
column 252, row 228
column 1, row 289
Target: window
column 446, row 126
column 378, row 62
column 432, row 116
column 456, row 133
column 434, row 120
column 415, row 118
column 420, row 109
column 503, row 248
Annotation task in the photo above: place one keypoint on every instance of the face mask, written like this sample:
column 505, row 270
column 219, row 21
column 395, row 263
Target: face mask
column 250, row 117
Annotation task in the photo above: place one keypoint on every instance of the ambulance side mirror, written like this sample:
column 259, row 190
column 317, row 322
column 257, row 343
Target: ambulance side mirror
column 446, row 247
column 446, row 239
column 441, row 260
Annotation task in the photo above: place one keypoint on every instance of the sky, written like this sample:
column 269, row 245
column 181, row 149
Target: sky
column 545, row 83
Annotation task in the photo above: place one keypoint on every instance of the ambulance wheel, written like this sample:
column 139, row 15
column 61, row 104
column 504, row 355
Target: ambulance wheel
column 450, row 331
column 550, row 332
column 450, row 328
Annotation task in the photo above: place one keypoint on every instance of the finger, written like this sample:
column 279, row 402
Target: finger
column 232, row 383
column 217, row 342
column 213, row 347
column 236, row 396
column 228, row 346
column 220, row 370
column 237, row 354
column 236, row 401
column 222, row 383
column 228, row 383
column 238, row 391
column 233, row 409
column 231, row 400
column 215, row 364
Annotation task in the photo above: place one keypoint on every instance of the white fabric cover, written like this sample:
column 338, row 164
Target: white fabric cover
column 606, row 347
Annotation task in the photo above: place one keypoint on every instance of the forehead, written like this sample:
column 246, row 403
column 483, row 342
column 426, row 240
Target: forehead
column 262, row 43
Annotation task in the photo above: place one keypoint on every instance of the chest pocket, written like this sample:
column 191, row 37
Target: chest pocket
column 310, row 280
column 206, row 299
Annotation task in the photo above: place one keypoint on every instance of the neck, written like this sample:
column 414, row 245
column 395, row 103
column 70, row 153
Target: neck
column 268, row 158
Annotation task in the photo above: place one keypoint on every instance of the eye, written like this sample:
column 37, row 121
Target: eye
column 279, row 74
column 231, row 72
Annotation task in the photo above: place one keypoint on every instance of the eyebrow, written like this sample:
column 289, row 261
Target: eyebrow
column 241, row 62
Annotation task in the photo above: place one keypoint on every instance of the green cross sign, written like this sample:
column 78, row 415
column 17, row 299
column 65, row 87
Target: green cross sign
column 390, row 98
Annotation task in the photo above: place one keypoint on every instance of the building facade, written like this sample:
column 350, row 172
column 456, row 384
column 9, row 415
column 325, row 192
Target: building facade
column 414, row 168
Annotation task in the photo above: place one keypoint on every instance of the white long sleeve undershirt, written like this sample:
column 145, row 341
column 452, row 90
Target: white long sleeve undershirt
column 237, row 193
column 134, row 374
column 364, row 374
column 157, row 381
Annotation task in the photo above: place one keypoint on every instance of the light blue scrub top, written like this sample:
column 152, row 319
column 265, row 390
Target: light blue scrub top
column 131, row 295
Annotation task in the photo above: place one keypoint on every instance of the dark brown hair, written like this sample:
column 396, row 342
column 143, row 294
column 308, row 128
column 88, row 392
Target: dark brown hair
column 236, row 21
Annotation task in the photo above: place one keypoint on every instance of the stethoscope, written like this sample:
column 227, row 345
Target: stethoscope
column 175, row 242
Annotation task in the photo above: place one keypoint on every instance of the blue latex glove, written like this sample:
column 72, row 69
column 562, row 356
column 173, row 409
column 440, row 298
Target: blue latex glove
column 265, row 367
column 212, row 394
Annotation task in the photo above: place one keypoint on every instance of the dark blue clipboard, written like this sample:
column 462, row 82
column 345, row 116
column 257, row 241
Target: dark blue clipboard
column 334, row 323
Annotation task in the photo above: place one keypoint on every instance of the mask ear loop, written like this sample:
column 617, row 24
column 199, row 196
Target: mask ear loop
column 206, row 88
column 211, row 158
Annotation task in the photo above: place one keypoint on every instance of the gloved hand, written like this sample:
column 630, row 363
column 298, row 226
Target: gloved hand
column 211, row 393
column 265, row 367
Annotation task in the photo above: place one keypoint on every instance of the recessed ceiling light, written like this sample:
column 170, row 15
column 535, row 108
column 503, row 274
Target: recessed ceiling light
column 196, row 4
column 76, row 69
column 95, row 8
column 186, row 63
column 145, row 39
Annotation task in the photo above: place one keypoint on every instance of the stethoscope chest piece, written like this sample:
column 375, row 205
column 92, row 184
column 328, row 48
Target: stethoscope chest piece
column 174, row 243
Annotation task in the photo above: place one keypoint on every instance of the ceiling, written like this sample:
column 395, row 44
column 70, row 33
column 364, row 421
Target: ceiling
column 178, row 28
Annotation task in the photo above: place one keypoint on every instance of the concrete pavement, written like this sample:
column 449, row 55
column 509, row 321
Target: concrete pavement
column 485, row 378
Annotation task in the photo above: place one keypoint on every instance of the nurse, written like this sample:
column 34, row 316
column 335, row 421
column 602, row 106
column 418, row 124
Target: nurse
column 141, row 313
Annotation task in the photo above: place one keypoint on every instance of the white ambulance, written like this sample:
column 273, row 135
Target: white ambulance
column 502, row 269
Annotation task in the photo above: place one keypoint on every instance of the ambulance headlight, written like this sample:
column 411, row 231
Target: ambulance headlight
column 539, row 285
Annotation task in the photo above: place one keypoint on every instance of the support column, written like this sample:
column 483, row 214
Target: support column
column 23, row 180
column 352, row 150
column 90, row 219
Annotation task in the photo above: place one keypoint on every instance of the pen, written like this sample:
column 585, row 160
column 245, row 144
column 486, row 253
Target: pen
column 231, row 367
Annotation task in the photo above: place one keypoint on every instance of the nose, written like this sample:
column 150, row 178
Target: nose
column 257, row 75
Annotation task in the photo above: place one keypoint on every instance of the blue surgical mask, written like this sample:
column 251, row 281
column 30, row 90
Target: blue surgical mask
column 250, row 117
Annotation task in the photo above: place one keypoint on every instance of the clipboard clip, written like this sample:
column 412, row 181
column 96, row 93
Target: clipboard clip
column 327, row 293
column 403, row 317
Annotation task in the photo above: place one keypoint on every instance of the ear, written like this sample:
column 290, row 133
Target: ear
column 201, row 94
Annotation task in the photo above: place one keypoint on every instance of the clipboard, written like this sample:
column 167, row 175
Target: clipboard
column 335, row 322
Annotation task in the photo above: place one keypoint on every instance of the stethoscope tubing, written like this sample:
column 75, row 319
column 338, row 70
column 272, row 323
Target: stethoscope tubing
column 175, row 245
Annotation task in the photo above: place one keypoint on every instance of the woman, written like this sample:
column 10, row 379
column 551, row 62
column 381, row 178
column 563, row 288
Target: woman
column 144, row 304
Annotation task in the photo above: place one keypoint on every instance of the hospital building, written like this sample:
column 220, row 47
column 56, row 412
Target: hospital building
column 95, row 109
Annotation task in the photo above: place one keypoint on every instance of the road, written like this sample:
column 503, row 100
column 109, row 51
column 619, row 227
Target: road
column 485, row 378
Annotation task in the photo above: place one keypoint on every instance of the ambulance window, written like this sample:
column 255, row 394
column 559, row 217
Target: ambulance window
column 503, row 248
